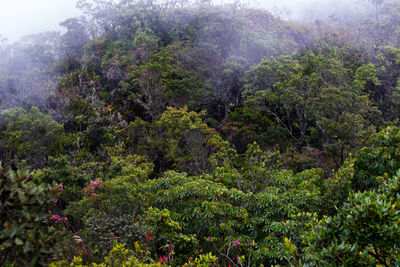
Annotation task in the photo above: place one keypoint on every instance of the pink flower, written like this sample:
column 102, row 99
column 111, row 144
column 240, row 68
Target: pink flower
column 84, row 216
column 56, row 200
column 237, row 243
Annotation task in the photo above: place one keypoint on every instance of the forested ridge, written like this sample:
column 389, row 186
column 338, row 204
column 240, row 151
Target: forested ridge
column 173, row 133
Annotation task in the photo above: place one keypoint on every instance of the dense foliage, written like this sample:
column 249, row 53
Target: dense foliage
column 176, row 133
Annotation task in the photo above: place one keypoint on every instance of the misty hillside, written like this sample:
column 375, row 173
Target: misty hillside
column 187, row 133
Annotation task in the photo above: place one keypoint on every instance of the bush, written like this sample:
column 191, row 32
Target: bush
column 365, row 231
column 375, row 164
column 28, row 237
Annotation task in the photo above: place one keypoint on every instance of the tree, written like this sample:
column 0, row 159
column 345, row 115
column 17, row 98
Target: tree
column 188, row 143
column 385, row 94
column 316, row 98
column 162, row 81
column 29, row 135
column 73, row 41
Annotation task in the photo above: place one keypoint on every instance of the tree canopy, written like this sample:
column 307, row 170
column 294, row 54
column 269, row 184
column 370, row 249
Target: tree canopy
column 185, row 133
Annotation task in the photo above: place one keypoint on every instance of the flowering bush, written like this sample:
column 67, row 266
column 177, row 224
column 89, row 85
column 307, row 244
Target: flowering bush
column 90, row 191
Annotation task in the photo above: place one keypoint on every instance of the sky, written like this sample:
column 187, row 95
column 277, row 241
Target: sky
column 23, row 17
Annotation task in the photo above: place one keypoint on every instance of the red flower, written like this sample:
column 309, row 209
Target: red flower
column 148, row 236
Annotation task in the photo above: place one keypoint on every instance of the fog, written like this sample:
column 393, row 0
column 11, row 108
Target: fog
column 23, row 17
column 26, row 74
column 310, row 10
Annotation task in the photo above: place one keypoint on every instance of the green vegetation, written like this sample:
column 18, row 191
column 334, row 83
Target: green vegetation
column 199, row 135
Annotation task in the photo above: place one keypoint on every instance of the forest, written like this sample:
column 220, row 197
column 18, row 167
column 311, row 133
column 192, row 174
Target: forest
column 179, row 133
